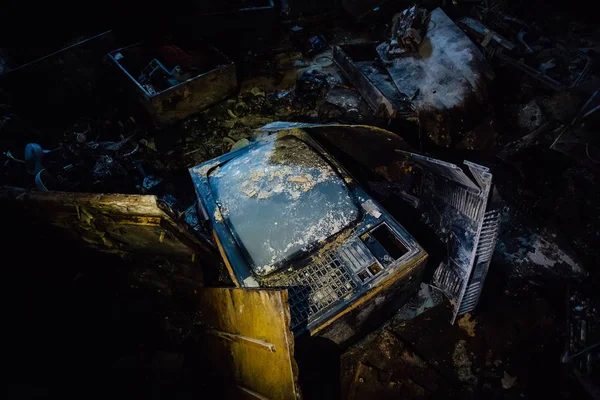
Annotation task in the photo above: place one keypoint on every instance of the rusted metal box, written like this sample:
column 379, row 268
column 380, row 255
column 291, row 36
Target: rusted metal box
column 174, row 81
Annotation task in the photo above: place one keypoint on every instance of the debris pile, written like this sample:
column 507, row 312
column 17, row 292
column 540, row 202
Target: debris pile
column 525, row 47
column 422, row 105
column 407, row 33
column 83, row 162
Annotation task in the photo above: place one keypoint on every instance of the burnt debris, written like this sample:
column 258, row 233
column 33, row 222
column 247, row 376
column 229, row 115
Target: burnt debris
column 409, row 188
column 407, row 32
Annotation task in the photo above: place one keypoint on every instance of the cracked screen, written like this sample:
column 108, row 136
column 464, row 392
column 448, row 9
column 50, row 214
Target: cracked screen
column 280, row 200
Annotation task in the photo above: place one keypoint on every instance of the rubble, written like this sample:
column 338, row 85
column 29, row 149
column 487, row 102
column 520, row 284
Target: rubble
column 548, row 62
column 450, row 170
column 528, row 251
column 408, row 30
column 468, row 324
column 446, row 78
column 508, row 381
column 576, row 139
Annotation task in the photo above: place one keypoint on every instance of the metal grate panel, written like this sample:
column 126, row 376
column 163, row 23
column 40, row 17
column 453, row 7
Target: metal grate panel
column 446, row 278
column 460, row 198
column 485, row 250
column 489, row 234
column 317, row 286
column 470, row 298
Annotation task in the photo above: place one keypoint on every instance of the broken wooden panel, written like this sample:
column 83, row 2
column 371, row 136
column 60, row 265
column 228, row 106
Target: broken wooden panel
column 249, row 341
column 456, row 203
column 113, row 223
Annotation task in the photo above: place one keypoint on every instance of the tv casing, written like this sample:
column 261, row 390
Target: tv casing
column 394, row 280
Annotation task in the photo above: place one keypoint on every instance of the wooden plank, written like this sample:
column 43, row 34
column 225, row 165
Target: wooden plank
column 253, row 345
column 234, row 279
column 121, row 204
column 114, row 223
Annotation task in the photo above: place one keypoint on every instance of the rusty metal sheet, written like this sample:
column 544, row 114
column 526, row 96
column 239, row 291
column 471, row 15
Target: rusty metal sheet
column 249, row 341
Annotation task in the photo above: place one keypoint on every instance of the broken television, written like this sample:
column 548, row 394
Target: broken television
column 286, row 214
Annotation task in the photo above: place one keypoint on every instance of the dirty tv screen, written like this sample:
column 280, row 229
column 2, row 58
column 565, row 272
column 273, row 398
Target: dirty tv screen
column 286, row 214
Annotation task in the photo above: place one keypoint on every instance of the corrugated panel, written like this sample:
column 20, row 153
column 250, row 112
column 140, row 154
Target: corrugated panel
column 470, row 298
column 485, row 250
column 460, row 198
column 448, row 280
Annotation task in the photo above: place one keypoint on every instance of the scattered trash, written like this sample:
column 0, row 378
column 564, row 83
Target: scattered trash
column 257, row 92
column 239, row 144
column 583, row 337
column 407, row 33
column 317, row 44
column 550, row 63
column 344, row 105
column 150, row 182
column 309, row 45
column 34, row 155
column 426, row 298
column 529, row 251
column 476, row 27
column 578, row 139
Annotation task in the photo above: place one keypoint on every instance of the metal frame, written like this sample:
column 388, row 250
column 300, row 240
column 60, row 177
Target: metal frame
column 465, row 216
